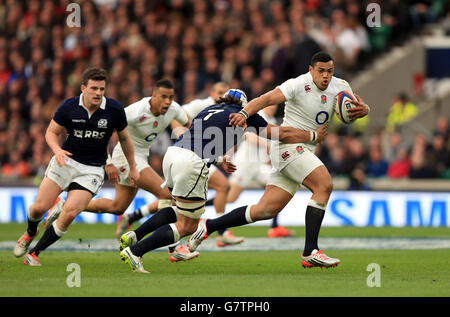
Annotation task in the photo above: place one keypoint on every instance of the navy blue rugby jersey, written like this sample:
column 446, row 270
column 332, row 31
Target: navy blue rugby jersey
column 88, row 136
column 211, row 135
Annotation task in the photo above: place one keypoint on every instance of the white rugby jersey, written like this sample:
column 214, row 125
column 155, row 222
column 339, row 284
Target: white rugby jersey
column 193, row 108
column 144, row 127
column 307, row 107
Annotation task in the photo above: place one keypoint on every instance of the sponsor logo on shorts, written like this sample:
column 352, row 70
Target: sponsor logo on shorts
column 285, row 155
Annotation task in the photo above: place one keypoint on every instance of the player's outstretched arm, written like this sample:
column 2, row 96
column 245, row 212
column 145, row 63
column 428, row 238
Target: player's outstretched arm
column 293, row 135
column 128, row 149
column 273, row 97
column 52, row 134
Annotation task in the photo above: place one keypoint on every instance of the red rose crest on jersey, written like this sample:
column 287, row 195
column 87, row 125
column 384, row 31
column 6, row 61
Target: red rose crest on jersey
column 300, row 149
column 323, row 99
column 155, row 124
column 285, row 155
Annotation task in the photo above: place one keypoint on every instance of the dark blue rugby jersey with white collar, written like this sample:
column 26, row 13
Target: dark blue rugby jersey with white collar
column 88, row 135
column 211, row 134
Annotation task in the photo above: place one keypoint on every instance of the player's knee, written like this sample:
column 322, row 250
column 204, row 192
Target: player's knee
column 116, row 208
column 223, row 187
column 327, row 188
column 70, row 211
column 40, row 207
column 324, row 188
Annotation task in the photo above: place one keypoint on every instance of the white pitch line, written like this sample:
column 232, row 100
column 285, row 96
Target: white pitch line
column 262, row 244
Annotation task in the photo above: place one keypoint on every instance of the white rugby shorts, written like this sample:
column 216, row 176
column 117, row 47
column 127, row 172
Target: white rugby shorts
column 120, row 161
column 90, row 177
column 185, row 173
column 251, row 174
column 300, row 162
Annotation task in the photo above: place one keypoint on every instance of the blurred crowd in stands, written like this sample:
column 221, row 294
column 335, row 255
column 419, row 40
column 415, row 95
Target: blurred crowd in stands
column 253, row 45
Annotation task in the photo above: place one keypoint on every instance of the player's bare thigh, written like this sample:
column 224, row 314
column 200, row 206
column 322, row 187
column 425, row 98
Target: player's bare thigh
column 217, row 181
column 271, row 203
column 150, row 181
column 47, row 193
column 319, row 182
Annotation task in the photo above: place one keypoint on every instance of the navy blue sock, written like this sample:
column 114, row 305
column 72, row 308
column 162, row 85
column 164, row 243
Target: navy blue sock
column 32, row 227
column 162, row 217
column 313, row 221
column 210, row 202
column 275, row 221
column 48, row 238
column 221, row 231
column 135, row 216
column 161, row 237
column 234, row 218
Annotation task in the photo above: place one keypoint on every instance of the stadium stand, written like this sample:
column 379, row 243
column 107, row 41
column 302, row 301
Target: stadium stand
column 254, row 45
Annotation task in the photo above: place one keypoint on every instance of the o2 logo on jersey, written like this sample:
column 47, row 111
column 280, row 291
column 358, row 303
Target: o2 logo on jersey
column 322, row 117
column 151, row 137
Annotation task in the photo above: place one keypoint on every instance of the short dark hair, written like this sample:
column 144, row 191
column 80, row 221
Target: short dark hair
column 165, row 83
column 93, row 73
column 323, row 57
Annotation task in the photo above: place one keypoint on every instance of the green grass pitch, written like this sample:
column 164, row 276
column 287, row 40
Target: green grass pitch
column 405, row 273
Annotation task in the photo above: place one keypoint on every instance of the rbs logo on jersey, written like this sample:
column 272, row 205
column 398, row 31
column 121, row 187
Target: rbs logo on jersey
column 88, row 134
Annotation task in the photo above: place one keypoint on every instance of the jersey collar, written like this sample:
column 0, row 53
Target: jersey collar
column 102, row 105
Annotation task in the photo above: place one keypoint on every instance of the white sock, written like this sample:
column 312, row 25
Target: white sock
column 144, row 211
column 58, row 232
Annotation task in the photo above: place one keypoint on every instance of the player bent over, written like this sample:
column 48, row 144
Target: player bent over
column 77, row 166
column 185, row 168
column 308, row 105
column 216, row 179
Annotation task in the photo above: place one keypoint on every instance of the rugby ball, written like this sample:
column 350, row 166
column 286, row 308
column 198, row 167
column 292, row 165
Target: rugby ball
column 342, row 102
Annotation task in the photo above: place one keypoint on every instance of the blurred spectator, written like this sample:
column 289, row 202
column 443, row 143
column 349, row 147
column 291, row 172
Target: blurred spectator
column 442, row 128
column 358, row 180
column 420, row 162
column 337, row 165
column 439, row 155
column 424, row 12
column 400, row 165
column 390, row 144
column 376, row 165
column 402, row 110
column 254, row 45
column 16, row 167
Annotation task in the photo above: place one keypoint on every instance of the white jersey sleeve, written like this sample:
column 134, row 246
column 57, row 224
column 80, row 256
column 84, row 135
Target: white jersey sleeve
column 193, row 108
column 288, row 88
column 180, row 115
